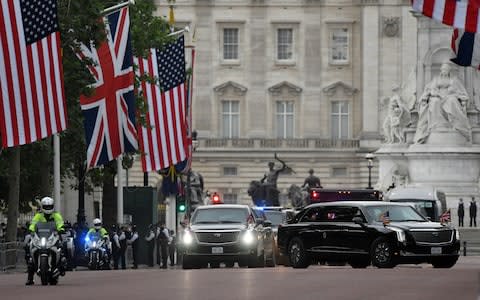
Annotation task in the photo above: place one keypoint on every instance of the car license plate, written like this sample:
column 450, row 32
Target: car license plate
column 436, row 250
column 217, row 250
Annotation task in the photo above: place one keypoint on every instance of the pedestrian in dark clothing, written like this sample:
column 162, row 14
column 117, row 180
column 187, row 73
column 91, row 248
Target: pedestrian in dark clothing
column 473, row 213
column 150, row 238
column 461, row 212
column 157, row 245
column 115, row 247
column 172, row 247
column 122, row 238
column 163, row 240
column 133, row 240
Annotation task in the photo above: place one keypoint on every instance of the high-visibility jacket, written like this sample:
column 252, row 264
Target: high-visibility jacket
column 40, row 218
column 103, row 232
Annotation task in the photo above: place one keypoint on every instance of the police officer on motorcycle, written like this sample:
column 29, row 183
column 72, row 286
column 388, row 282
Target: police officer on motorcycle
column 47, row 214
column 98, row 228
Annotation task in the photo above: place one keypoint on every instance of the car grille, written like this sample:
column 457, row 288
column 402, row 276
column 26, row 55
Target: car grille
column 433, row 236
column 217, row 237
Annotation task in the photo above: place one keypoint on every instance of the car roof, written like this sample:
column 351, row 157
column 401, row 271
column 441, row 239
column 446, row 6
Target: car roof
column 357, row 203
column 412, row 193
column 223, row 206
column 278, row 208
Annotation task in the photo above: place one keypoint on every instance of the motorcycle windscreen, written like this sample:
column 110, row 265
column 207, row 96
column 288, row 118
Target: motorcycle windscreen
column 45, row 229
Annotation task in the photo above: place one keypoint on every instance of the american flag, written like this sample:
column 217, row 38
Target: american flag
column 32, row 98
column 109, row 114
column 463, row 14
column 466, row 46
column 163, row 141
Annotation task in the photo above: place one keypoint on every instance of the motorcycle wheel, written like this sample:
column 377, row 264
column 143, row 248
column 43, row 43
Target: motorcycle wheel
column 44, row 270
column 94, row 261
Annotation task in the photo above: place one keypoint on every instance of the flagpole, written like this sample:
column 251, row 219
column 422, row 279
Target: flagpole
column 119, row 190
column 56, row 172
column 118, row 6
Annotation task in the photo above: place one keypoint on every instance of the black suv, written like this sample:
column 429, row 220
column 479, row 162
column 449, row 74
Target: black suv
column 227, row 233
column 362, row 233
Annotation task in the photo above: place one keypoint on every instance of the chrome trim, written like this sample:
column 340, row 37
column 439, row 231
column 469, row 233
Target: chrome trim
column 220, row 231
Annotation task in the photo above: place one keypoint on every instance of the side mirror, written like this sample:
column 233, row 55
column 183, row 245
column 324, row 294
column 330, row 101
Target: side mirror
column 267, row 223
column 358, row 220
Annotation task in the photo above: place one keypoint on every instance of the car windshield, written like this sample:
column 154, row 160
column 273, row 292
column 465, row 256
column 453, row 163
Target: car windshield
column 220, row 215
column 276, row 217
column 425, row 207
column 395, row 213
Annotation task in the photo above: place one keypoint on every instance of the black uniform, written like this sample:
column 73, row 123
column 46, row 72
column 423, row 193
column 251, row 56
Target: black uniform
column 461, row 213
column 172, row 247
column 123, row 248
column 473, row 213
column 163, row 241
column 115, row 248
column 133, row 240
column 150, row 238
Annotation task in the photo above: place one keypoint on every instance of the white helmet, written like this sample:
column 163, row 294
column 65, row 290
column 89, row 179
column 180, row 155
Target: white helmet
column 97, row 223
column 47, row 204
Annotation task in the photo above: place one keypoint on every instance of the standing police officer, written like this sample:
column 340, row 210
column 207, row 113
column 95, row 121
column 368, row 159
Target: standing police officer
column 133, row 240
column 150, row 238
column 115, row 247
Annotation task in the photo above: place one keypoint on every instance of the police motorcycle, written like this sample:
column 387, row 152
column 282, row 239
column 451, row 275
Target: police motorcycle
column 46, row 252
column 96, row 251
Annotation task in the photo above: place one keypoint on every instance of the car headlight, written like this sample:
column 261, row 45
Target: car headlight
column 248, row 237
column 187, row 238
column 457, row 234
column 400, row 234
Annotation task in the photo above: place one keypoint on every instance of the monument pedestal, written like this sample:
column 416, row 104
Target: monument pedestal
column 446, row 161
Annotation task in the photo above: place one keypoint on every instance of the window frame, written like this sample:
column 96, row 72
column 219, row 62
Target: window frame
column 284, row 114
column 333, row 26
column 340, row 114
column 221, row 26
column 294, row 27
column 230, row 115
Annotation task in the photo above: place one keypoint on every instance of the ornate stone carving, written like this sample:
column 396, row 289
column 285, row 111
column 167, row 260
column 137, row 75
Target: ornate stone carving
column 237, row 88
column 397, row 119
column 292, row 89
column 331, row 89
column 443, row 106
column 391, row 26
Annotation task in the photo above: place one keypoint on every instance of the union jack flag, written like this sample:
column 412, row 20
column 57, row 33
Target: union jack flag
column 446, row 217
column 110, row 112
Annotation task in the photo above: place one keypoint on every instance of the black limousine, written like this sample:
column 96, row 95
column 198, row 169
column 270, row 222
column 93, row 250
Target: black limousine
column 362, row 233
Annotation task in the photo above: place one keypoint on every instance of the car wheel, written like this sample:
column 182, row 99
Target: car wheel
column 186, row 264
column 297, row 254
column 243, row 263
column 229, row 264
column 444, row 263
column 215, row 265
column 359, row 264
column 382, row 253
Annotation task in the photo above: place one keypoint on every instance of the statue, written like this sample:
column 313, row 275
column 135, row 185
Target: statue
column 443, row 105
column 311, row 181
column 298, row 196
column 265, row 192
column 196, row 189
column 397, row 119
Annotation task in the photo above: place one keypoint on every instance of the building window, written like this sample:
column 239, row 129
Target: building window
column 230, row 171
column 230, row 198
column 339, row 46
column 340, row 120
column 339, row 172
column 230, row 43
column 230, row 119
column 285, row 119
column 285, row 44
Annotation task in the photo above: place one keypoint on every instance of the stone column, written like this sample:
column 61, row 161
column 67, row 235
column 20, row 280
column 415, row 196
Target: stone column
column 370, row 85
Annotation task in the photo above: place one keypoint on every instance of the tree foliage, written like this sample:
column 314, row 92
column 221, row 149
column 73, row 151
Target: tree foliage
column 81, row 22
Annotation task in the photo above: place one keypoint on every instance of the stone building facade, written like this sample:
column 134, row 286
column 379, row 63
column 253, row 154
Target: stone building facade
column 305, row 79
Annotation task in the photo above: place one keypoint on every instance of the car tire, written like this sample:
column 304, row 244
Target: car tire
column 297, row 255
column 186, row 264
column 272, row 261
column 444, row 263
column 382, row 253
column 229, row 264
column 243, row 263
column 214, row 265
column 359, row 264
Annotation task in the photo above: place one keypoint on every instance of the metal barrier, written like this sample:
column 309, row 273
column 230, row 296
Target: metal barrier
column 8, row 256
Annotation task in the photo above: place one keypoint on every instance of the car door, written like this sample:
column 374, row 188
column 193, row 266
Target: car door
column 354, row 238
column 313, row 229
